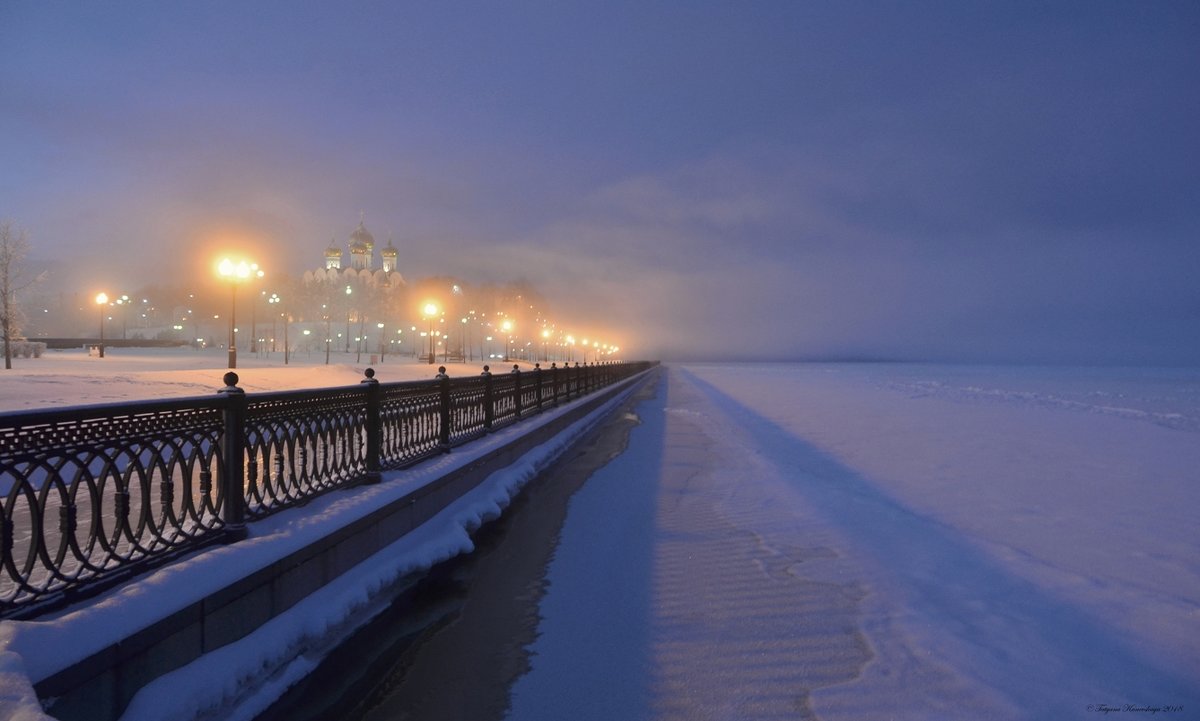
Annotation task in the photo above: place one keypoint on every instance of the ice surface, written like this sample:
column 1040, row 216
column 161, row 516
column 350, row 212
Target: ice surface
column 1006, row 543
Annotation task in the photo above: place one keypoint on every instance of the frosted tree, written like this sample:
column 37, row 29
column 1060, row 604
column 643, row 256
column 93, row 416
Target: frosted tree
column 13, row 249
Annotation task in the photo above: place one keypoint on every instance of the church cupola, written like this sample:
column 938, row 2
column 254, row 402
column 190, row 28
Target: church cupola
column 333, row 256
column 362, row 247
column 389, row 255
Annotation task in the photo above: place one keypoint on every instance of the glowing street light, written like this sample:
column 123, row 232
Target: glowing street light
column 102, row 301
column 271, row 301
column 431, row 310
column 507, row 327
column 235, row 273
column 349, row 292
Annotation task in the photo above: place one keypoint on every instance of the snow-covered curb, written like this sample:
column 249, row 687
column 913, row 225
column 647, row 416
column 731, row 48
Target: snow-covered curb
column 36, row 650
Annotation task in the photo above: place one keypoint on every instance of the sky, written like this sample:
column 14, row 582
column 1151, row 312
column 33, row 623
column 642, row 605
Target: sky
column 1007, row 181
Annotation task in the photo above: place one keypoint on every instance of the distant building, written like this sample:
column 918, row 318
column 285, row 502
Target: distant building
column 360, row 246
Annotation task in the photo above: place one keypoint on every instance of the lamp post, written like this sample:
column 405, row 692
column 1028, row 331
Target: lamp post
column 431, row 310
column 102, row 301
column 349, row 292
column 471, row 350
column 464, row 342
column 234, row 272
column 328, row 333
column 507, row 327
column 382, row 342
column 271, row 302
column 254, row 317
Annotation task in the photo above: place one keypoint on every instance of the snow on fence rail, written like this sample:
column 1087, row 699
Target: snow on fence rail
column 93, row 495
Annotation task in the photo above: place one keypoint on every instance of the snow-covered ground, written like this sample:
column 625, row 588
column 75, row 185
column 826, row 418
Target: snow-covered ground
column 790, row 541
column 884, row 541
column 72, row 377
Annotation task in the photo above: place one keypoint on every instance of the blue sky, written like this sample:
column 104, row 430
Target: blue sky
column 969, row 181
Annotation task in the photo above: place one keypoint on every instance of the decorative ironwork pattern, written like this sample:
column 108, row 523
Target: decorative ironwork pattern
column 94, row 494
column 467, row 416
column 504, row 398
column 91, row 490
column 410, row 417
column 302, row 444
column 529, row 391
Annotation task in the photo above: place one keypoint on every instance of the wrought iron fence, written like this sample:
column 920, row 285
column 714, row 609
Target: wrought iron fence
column 93, row 495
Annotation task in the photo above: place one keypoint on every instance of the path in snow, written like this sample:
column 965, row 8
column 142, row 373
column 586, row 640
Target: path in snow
column 698, row 596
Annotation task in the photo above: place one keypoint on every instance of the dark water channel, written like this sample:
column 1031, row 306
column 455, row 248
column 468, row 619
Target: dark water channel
column 451, row 646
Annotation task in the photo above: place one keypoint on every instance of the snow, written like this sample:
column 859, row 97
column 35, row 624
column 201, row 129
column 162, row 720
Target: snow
column 778, row 541
column 883, row 541
column 252, row 672
column 72, row 377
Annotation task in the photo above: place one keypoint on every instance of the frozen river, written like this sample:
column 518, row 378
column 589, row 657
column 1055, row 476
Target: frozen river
column 883, row 541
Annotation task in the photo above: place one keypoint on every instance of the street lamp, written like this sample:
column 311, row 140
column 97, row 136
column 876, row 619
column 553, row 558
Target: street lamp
column 234, row 272
column 382, row 342
column 507, row 327
column 123, row 301
column 328, row 331
column 271, row 302
column 431, row 310
column 102, row 301
column 254, row 317
column 464, row 343
column 349, row 292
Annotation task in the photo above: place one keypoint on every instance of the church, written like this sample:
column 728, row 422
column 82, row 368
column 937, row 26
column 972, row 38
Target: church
column 362, row 269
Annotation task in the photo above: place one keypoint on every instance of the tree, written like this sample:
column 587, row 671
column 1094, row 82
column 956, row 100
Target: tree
column 13, row 249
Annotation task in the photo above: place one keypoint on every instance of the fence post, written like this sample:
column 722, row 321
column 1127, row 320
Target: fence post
column 554, row 383
column 537, row 384
column 444, row 430
column 374, row 428
column 233, row 466
column 516, row 373
column 489, row 406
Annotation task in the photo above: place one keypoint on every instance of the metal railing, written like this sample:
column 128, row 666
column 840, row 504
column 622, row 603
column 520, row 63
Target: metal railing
column 93, row 495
